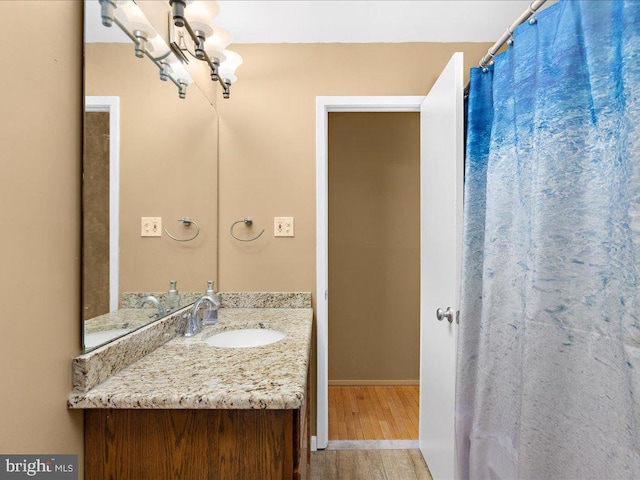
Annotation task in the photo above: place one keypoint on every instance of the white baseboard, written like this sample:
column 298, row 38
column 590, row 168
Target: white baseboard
column 375, row 383
column 314, row 443
column 372, row 445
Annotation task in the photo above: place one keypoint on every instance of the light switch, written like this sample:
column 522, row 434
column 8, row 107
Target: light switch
column 151, row 227
column 283, row 227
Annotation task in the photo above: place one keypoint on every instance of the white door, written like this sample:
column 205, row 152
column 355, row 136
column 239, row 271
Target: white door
column 441, row 164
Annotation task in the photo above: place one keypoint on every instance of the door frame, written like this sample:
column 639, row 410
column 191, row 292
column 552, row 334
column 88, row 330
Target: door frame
column 325, row 105
column 112, row 106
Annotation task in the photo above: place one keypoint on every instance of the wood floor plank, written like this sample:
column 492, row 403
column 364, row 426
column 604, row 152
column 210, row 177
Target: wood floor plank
column 368, row 465
column 318, row 467
column 380, row 407
column 354, row 420
column 356, row 424
column 410, row 414
column 348, row 414
column 373, row 412
column 419, row 465
column 331, row 471
column 373, row 417
column 342, row 431
column 368, row 432
column 333, row 422
column 353, row 398
column 396, row 410
column 397, row 465
column 388, row 415
column 347, row 464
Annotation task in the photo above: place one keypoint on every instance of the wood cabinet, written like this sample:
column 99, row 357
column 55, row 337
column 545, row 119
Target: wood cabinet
column 196, row 444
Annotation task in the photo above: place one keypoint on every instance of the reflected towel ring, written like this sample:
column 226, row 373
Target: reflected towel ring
column 248, row 222
column 187, row 223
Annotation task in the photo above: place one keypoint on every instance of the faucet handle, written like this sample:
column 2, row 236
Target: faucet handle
column 194, row 322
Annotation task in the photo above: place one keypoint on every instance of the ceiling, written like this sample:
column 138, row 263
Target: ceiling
column 351, row 21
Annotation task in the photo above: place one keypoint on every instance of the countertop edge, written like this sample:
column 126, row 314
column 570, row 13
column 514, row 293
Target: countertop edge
column 289, row 396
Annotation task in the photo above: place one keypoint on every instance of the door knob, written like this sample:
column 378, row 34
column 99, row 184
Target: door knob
column 448, row 314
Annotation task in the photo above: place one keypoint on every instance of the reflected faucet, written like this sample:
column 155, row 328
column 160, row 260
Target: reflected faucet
column 154, row 300
column 194, row 322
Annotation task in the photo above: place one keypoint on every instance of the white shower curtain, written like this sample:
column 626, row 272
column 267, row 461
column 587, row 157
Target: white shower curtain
column 549, row 339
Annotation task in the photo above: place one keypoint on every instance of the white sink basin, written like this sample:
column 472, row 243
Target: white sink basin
column 245, row 338
column 92, row 340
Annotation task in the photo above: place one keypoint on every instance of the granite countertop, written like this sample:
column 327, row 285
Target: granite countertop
column 123, row 318
column 186, row 373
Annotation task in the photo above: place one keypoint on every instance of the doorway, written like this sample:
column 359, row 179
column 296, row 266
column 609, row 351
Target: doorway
column 374, row 272
column 101, row 185
column 324, row 105
column 441, row 167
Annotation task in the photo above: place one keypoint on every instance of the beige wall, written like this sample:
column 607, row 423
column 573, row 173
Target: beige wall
column 168, row 169
column 40, row 152
column 267, row 144
column 374, row 246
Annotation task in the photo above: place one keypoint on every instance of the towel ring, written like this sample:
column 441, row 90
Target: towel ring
column 187, row 223
column 248, row 222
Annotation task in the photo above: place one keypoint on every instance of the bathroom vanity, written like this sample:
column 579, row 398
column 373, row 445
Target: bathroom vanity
column 186, row 409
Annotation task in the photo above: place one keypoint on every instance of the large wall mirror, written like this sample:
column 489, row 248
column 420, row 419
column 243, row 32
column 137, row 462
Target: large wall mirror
column 147, row 153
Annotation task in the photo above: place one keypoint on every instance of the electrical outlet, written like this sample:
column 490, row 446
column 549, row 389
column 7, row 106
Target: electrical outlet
column 151, row 227
column 283, row 227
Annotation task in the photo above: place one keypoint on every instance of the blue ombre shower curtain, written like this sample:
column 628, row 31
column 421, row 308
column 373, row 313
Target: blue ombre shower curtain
column 549, row 339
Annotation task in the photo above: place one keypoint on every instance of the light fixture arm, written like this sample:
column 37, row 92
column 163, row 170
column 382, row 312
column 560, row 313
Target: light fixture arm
column 177, row 8
column 106, row 9
column 140, row 43
column 198, row 38
column 135, row 38
column 144, row 39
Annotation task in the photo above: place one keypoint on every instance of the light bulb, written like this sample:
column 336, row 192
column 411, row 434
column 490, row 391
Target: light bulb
column 178, row 72
column 216, row 43
column 227, row 70
column 157, row 46
column 200, row 14
column 134, row 19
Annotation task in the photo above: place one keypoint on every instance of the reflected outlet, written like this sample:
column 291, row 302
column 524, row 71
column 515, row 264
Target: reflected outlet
column 151, row 227
column 283, row 227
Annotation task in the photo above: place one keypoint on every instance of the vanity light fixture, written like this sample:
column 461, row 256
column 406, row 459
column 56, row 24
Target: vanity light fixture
column 133, row 22
column 192, row 34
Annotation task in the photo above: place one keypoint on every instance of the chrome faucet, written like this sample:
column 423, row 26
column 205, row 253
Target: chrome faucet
column 154, row 300
column 194, row 322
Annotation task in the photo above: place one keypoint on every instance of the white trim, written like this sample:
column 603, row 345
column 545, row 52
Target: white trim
column 372, row 445
column 324, row 105
column 314, row 443
column 374, row 383
column 111, row 105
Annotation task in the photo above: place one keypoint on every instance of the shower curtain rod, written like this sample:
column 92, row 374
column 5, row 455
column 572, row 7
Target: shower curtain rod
column 533, row 7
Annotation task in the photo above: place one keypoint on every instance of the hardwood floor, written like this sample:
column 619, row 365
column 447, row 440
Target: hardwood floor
column 373, row 412
column 368, row 465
